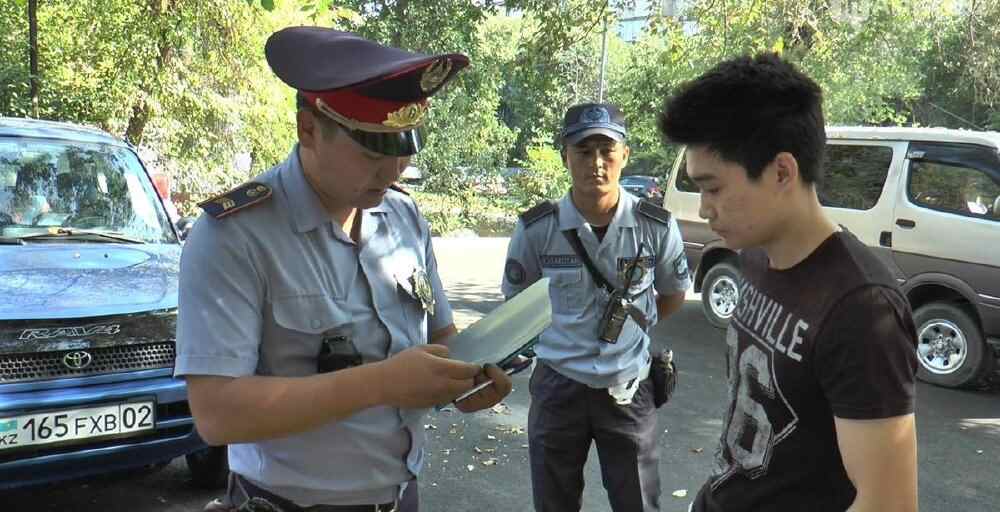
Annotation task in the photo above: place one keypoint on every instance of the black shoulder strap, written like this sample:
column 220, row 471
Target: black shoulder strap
column 654, row 212
column 538, row 212
column 574, row 241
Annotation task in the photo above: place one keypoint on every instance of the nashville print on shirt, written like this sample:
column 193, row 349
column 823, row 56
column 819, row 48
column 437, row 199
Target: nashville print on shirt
column 762, row 334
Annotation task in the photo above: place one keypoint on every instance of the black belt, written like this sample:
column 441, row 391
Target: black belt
column 259, row 499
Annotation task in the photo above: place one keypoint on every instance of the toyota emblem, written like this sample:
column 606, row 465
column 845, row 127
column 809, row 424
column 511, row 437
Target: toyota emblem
column 77, row 360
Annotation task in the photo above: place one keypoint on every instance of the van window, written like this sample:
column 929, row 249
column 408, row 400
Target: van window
column 954, row 189
column 684, row 182
column 854, row 176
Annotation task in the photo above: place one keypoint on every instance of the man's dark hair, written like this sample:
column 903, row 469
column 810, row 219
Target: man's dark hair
column 748, row 110
column 328, row 126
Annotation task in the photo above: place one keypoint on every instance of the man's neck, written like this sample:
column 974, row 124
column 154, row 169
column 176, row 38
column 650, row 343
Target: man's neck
column 800, row 237
column 597, row 210
column 342, row 214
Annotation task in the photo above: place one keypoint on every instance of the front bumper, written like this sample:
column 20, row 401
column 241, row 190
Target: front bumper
column 174, row 434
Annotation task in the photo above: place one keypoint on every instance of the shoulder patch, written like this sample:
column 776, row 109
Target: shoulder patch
column 243, row 196
column 399, row 189
column 538, row 212
column 654, row 212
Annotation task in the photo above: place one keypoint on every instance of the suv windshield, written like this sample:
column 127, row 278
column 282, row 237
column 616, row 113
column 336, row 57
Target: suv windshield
column 46, row 185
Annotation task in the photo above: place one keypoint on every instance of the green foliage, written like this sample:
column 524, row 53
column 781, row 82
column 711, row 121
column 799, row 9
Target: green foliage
column 187, row 80
column 544, row 176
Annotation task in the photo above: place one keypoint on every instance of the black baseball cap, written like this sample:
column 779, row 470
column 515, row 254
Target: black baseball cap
column 586, row 119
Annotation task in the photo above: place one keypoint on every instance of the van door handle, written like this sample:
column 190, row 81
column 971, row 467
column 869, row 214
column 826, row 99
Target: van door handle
column 906, row 223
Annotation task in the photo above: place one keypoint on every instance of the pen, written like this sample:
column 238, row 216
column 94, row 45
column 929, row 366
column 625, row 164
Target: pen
column 481, row 386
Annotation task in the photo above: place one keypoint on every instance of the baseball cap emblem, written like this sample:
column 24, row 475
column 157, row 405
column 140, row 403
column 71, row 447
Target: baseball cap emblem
column 596, row 115
column 435, row 74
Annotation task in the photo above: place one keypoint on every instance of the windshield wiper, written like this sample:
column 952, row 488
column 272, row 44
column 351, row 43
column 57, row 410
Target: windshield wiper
column 71, row 233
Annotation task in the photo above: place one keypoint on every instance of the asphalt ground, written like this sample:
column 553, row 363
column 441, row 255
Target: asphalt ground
column 479, row 462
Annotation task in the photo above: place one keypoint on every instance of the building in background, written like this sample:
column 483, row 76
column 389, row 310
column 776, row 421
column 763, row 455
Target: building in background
column 634, row 19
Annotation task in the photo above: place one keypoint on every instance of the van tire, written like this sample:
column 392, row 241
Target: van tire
column 720, row 293
column 947, row 330
column 209, row 467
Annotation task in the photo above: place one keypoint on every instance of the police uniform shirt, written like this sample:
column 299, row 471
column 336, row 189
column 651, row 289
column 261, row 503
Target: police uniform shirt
column 261, row 288
column 570, row 345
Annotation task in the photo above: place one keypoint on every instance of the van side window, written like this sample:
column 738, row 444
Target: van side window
column 954, row 189
column 853, row 176
column 684, row 182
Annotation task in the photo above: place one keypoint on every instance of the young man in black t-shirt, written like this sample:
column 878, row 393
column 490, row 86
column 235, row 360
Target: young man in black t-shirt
column 822, row 345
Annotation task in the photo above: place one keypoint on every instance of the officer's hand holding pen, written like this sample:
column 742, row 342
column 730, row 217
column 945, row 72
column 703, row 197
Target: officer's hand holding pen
column 423, row 376
column 491, row 386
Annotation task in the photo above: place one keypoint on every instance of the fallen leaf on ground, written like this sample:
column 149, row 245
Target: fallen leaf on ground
column 490, row 462
column 680, row 493
column 471, row 467
column 491, row 437
column 697, row 450
column 500, row 408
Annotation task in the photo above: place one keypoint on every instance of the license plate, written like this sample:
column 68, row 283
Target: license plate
column 76, row 424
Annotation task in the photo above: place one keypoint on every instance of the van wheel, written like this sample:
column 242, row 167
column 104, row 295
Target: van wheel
column 209, row 467
column 950, row 348
column 720, row 293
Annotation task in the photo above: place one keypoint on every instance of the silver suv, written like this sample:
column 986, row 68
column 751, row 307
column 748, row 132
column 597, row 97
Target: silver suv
column 927, row 201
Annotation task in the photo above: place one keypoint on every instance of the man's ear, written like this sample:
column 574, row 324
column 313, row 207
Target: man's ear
column 307, row 128
column 786, row 169
column 626, row 151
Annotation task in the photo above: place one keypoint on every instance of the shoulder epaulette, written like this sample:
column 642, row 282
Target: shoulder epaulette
column 538, row 212
column 399, row 189
column 654, row 212
column 243, row 196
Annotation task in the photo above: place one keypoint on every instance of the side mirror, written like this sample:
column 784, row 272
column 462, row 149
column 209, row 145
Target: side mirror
column 184, row 226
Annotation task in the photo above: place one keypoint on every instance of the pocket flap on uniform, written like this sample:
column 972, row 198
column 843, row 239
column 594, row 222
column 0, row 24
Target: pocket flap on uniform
column 565, row 277
column 309, row 313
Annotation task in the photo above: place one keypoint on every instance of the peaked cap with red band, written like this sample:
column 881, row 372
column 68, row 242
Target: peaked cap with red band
column 377, row 93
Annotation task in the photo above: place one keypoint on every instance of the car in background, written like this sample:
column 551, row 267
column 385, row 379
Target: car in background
column 927, row 202
column 644, row 187
column 89, row 263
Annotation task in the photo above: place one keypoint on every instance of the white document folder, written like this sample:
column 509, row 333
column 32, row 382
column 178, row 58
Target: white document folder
column 508, row 330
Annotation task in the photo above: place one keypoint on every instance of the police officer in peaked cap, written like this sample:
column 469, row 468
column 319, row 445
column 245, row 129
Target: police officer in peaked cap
column 313, row 326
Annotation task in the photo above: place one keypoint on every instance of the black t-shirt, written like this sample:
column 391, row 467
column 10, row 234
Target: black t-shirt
column 831, row 336
column 600, row 231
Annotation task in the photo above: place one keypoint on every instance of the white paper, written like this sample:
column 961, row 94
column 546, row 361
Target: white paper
column 507, row 329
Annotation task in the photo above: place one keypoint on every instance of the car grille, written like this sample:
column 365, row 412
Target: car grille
column 114, row 359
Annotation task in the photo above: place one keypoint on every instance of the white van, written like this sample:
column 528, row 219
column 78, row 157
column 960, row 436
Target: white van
column 927, row 201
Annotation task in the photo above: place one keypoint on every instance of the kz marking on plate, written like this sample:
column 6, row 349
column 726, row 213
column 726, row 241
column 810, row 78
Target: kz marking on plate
column 76, row 424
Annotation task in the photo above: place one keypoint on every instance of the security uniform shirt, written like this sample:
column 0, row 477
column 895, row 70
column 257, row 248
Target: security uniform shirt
column 570, row 345
column 831, row 336
column 260, row 290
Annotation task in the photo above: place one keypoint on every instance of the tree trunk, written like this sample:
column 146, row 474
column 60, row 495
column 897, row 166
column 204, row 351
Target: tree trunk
column 33, row 54
column 141, row 110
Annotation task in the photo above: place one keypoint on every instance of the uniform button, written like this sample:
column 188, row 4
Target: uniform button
column 315, row 324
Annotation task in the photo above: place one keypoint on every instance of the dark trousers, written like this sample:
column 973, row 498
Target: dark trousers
column 239, row 490
column 565, row 416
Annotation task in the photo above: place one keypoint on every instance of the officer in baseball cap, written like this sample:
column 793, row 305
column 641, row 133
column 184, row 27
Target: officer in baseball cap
column 313, row 325
column 617, row 266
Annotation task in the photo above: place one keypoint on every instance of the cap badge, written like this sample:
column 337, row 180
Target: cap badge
column 406, row 117
column 596, row 115
column 435, row 74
